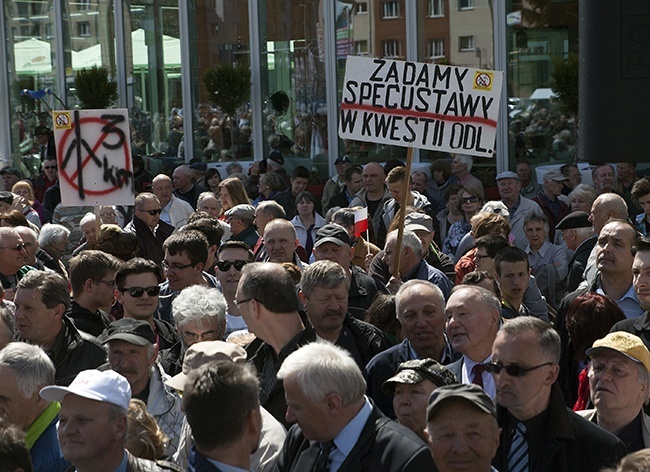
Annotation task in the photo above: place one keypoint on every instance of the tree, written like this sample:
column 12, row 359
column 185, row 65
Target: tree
column 94, row 88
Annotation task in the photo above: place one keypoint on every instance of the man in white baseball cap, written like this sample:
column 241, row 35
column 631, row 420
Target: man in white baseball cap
column 93, row 423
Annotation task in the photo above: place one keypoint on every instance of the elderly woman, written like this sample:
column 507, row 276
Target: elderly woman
column 270, row 184
column 209, row 203
column 30, row 206
column 307, row 221
column 582, row 197
column 469, row 203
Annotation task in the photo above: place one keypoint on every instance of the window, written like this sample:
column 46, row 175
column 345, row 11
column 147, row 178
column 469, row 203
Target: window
column 465, row 4
column 436, row 8
column 83, row 5
column 390, row 48
column 466, row 43
column 83, row 29
column 390, row 9
column 361, row 48
column 436, row 48
column 362, row 7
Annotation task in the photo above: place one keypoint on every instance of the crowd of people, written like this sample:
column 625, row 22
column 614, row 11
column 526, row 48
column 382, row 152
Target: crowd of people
column 242, row 322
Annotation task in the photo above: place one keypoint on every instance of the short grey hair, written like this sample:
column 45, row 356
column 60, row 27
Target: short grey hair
column 88, row 217
column 33, row 368
column 481, row 295
column 549, row 340
column 321, row 368
column 467, row 160
column 7, row 231
column 409, row 240
column 197, row 303
column 532, row 216
column 584, row 191
column 52, row 234
column 495, row 206
column 52, row 287
column 644, row 379
column 322, row 274
column 437, row 293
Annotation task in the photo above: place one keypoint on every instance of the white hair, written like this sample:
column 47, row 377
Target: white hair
column 467, row 160
column 31, row 364
column 409, row 240
column 496, row 206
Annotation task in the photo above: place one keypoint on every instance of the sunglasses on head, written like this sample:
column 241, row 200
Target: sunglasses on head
column 136, row 292
column 469, row 199
column 513, row 370
column 153, row 212
column 224, row 266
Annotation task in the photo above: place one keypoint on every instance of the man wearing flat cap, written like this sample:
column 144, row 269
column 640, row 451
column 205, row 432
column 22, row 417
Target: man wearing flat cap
column 554, row 208
column 240, row 218
column 132, row 352
column 93, row 423
column 509, row 186
column 10, row 176
column 411, row 387
column 462, row 429
column 578, row 234
column 619, row 384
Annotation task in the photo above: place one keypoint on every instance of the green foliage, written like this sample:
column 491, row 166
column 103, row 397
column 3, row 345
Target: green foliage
column 565, row 82
column 95, row 90
column 229, row 86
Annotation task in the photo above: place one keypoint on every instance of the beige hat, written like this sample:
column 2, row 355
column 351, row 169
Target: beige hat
column 624, row 343
column 201, row 353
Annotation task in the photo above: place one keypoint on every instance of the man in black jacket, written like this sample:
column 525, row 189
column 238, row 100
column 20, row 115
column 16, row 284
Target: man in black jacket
column 337, row 425
column 324, row 292
column 42, row 299
column 579, row 236
column 147, row 226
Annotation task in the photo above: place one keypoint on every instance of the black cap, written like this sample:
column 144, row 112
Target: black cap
column 332, row 233
column 41, row 130
column 200, row 166
column 132, row 331
column 415, row 371
column 577, row 219
column 471, row 393
column 343, row 160
column 12, row 171
column 276, row 157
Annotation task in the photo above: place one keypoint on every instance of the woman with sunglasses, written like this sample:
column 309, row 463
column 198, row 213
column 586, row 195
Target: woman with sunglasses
column 469, row 203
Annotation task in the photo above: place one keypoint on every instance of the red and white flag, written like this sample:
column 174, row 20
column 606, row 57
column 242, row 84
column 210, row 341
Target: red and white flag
column 360, row 221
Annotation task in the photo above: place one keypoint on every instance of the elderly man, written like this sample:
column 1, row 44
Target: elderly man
column 461, row 167
column 553, row 208
column 146, row 225
column 573, row 175
column 538, row 431
column 548, row 261
column 137, row 284
column 200, row 315
column 462, row 429
column 411, row 387
column 264, row 213
column 174, row 211
column 412, row 266
column 420, row 309
column 232, row 257
column 186, row 253
column 602, row 176
column 619, row 385
column 324, row 293
column 280, row 242
column 240, row 218
column 132, row 352
column 509, row 187
column 338, row 428
column 529, row 186
column 272, row 435
column 24, row 370
column 267, row 300
column 35, row 257
column 10, row 176
column 12, row 260
column 92, row 277
column 184, row 186
column 89, row 230
column 473, row 318
column 579, row 237
column 42, row 301
column 93, row 423
column 333, row 244
column 374, row 193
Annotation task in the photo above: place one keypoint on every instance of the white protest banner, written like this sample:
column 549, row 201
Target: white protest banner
column 93, row 152
column 428, row 106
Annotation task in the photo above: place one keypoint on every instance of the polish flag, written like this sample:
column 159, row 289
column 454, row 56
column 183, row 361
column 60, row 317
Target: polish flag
column 360, row 221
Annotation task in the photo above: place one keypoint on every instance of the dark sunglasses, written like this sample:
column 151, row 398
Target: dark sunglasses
column 136, row 292
column 469, row 200
column 224, row 266
column 49, row 167
column 153, row 212
column 513, row 370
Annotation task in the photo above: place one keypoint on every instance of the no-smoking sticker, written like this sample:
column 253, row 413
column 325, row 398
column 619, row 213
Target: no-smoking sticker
column 94, row 156
column 483, row 80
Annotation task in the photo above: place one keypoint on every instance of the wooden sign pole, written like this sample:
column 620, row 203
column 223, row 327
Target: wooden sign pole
column 406, row 188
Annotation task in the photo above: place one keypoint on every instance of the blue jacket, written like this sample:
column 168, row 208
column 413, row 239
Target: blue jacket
column 198, row 463
column 46, row 452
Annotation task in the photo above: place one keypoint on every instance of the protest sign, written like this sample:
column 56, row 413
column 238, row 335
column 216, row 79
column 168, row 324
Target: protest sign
column 419, row 105
column 93, row 152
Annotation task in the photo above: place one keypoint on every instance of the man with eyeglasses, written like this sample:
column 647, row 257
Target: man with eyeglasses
column 137, row 287
column 146, row 225
column 232, row 257
column 132, row 352
column 13, row 254
column 186, row 253
column 92, row 277
column 538, row 431
column 509, row 186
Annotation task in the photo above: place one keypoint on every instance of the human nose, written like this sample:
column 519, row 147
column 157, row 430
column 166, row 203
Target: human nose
column 289, row 415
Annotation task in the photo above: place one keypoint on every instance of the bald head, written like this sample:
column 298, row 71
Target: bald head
column 373, row 178
column 162, row 187
column 606, row 207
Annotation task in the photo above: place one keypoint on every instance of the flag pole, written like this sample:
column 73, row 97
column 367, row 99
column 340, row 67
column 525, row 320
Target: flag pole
column 400, row 226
